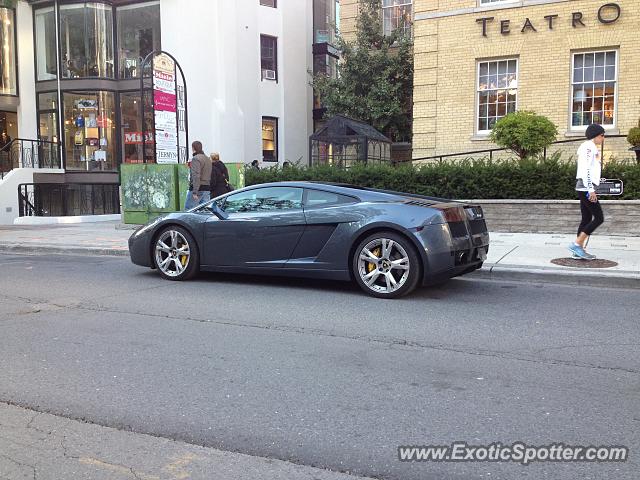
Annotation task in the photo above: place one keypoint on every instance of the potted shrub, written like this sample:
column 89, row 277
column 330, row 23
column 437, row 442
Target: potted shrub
column 634, row 139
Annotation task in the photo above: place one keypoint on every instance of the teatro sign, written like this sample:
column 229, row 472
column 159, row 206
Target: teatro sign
column 607, row 14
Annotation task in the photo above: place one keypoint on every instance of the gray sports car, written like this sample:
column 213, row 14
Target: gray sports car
column 388, row 242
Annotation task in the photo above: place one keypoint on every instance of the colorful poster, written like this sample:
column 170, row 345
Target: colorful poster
column 165, row 101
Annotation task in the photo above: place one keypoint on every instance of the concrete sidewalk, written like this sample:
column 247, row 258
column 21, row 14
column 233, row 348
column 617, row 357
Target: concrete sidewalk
column 48, row 447
column 512, row 256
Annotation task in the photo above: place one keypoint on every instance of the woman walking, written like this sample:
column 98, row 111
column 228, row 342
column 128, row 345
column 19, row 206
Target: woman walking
column 219, row 177
column 587, row 178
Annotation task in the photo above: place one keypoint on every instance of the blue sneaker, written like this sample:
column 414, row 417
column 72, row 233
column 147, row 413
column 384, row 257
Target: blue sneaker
column 579, row 252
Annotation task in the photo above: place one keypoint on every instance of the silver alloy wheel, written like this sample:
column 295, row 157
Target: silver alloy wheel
column 172, row 253
column 383, row 265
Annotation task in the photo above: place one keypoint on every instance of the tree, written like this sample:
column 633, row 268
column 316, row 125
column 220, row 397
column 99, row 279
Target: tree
column 524, row 133
column 375, row 76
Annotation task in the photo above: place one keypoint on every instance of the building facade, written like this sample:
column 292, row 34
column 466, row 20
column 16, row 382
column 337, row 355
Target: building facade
column 574, row 61
column 476, row 60
column 71, row 78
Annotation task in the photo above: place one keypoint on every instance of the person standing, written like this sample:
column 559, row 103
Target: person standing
column 200, row 176
column 5, row 140
column 219, row 177
column 587, row 179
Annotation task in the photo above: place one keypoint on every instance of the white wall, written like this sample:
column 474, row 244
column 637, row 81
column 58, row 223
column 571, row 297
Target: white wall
column 27, row 115
column 218, row 45
column 298, row 100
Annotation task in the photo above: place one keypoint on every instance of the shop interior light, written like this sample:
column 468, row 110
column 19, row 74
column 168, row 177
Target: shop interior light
column 580, row 96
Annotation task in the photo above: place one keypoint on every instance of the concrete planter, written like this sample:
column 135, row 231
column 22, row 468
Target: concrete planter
column 622, row 217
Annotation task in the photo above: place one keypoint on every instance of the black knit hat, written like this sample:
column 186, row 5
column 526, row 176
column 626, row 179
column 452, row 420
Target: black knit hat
column 593, row 131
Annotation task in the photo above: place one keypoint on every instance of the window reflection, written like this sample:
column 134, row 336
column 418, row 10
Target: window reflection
column 8, row 84
column 497, row 91
column 86, row 38
column 264, row 200
column 594, row 88
column 138, row 35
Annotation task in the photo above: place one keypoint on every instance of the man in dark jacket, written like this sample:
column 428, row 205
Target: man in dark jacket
column 219, row 177
column 200, row 171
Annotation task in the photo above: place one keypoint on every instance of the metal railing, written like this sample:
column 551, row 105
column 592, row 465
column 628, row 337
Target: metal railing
column 491, row 151
column 26, row 153
column 67, row 199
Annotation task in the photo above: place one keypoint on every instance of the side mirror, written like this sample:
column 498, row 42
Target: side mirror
column 218, row 212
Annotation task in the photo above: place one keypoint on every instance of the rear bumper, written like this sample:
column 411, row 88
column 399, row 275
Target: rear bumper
column 448, row 256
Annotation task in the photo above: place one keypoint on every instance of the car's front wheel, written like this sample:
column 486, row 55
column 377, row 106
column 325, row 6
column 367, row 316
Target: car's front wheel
column 175, row 254
column 386, row 265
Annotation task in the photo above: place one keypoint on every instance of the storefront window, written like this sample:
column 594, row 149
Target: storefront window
column 497, row 91
column 8, row 82
column 132, row 130
column 48, row 117
column 594, row 88
column 90, row 131
column 138, row 35
column 8, row 127
column 269, row 139
column 45, row 33
column 86, row 38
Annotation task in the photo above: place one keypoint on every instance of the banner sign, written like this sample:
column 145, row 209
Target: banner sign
column 164, row 110
column 165, row 107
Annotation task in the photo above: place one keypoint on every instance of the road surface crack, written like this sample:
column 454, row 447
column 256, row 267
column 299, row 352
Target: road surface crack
column 20, row 464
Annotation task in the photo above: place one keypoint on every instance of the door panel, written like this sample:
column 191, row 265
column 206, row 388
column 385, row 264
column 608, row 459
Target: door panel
column 264, row 236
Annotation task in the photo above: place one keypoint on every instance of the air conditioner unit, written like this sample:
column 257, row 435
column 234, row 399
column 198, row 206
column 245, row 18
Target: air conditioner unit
column 269, row 74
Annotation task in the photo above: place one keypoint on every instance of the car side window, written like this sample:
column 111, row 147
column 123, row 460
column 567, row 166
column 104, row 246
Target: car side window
column 320, row 198
column 264, row 200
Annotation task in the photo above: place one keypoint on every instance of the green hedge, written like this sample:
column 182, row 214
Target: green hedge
column 469, row 179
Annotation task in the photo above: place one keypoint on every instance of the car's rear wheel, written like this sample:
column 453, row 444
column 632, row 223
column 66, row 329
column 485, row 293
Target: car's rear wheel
column 386, row 265
column 175, row 254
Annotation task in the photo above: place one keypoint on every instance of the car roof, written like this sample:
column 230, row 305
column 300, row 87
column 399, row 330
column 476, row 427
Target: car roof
column 364, row 193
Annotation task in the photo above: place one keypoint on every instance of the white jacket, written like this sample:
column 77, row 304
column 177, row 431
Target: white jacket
column 589, row 167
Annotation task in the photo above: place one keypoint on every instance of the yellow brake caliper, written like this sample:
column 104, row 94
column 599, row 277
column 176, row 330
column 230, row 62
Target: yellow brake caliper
column 183, row 259
column 372, row 266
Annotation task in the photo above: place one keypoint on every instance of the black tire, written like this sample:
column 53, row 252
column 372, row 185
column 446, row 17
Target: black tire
column 392, row 265
column 168, row 261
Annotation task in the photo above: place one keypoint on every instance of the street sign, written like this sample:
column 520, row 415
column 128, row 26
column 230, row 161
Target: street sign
column 612, row 187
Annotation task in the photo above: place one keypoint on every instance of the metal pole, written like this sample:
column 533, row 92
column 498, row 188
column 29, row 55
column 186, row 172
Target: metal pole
column 59, row 91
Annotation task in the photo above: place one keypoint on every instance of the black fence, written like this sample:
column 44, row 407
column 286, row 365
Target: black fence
column 24, row 153
column 491, row 152
column 68, row 199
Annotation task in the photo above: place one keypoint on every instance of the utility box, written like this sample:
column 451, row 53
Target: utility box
column 236, row 174
column 149, row 191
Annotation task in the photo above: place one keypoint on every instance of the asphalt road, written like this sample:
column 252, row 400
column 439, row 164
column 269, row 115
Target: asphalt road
column 319, row 374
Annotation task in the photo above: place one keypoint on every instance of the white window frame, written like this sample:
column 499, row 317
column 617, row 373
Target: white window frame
column 401, row 3
column 477, row 89
column 573, row 84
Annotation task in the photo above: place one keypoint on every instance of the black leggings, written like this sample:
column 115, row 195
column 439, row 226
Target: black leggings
column 592, row 216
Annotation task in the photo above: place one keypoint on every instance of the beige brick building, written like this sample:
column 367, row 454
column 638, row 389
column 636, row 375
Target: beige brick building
column 574, row 61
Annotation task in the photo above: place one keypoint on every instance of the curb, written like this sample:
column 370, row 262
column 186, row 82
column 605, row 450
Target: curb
column 58, row 250
column 614, row 279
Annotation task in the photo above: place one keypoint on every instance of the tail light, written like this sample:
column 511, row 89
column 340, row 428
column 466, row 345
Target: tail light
column 454, row 214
